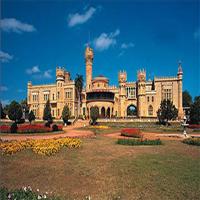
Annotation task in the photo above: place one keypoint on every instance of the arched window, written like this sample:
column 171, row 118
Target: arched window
column 147, row 99
column 150, row 110
column 152, row 99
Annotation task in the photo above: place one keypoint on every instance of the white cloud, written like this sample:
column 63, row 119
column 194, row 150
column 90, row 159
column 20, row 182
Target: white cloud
column 47, row 74
column 127, row 45
column 3, row 88
column 5, row 102
column 75, row 19
column 197, row 34
column 14, row 25
column 104, row 41
column 33, row 70
column 5, row 57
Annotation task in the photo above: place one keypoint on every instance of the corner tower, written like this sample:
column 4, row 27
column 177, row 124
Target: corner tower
column 89, row 55
column 141, row 82
column 180, row 88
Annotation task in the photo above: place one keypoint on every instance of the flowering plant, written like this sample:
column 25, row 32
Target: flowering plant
column 131, row 132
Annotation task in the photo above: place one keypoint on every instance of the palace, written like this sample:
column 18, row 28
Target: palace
column 141, row 98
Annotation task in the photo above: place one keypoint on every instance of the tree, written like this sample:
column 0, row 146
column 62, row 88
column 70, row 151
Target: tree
column 187, row 99
column 166, row 112
column 15, row 111
column 79, row 88
column 5, row 109
column 94, row 114
column 195, row 111
column 65, row 114
column 31, row 116
column 47, row 114
column 2, row 113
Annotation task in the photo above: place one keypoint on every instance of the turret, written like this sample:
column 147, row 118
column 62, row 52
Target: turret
column 60, row 74
column 89, row 55
column 122, row 78
column 180, row 90
column 141, row 81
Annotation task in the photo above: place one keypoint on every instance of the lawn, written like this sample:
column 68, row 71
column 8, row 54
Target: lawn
column 105, row 170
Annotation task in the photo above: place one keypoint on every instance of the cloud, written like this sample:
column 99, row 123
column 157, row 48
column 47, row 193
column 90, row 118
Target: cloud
column 33, row 70
column 3, row 88
column 127, row 45
column 75, row 19
column 5, row 57
column 47, row 74
column 14, row 25
column 104, row 41
column 197, row 34
column 5, row 102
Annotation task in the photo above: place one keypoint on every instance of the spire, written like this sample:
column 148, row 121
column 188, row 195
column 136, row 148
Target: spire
column 180, row 70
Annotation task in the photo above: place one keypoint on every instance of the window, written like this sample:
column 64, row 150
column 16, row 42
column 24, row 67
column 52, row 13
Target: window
column 58, row 95
column 58, row 112
column 152, row 99
column 53, row 96
column 46, row 97
column 167, row 94
column 147, row 99
column 84, row 111
column 150, row 110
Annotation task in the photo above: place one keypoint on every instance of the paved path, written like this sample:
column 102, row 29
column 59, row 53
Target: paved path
column 69, row 131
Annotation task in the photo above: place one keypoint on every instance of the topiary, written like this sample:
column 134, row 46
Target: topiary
column 13, row 128
column 54, row 127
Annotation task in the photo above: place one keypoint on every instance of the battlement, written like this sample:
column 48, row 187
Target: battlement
column 165, row 78
column 122, row 76
column 141, row 75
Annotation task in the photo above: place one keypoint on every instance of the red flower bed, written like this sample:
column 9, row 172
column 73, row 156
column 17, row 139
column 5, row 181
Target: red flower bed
column 194, row 126
column 29, row 128
column 131, row 132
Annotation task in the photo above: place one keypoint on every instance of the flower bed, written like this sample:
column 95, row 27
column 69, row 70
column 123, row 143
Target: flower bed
column 134, row 142
column 43, row 147
column 99, row 127
column 25, row 193
column 131, row 132
column 192, row 141
column 194, row 126
column 29, row 128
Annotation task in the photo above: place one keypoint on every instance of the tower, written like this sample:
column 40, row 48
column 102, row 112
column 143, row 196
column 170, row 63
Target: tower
column 141, row 84
column 180, row 88
column 122, row 79
column 88, row 62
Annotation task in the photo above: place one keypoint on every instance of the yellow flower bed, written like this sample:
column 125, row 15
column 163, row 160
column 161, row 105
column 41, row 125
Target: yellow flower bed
column 100, row 127
column 42, row 147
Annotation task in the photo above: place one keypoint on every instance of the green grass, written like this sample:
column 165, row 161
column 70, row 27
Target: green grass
column 103, row 170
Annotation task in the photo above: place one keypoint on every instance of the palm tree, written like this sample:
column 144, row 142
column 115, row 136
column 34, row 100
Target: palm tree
column 79, row 88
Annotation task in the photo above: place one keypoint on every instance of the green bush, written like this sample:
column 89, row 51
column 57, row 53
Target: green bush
column 192, row 141
column 134, row 142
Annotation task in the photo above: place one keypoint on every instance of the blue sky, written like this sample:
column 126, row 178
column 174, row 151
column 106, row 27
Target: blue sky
column 37, row 36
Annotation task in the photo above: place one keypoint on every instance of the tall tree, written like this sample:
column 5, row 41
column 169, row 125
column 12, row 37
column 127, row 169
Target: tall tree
column 15, row 111
column 2, row 113
column 47, row 113
column 65, row 114
column 195, row 111
column 166, row 112
column 31, row 116
column 187, row 99
column 79, row 88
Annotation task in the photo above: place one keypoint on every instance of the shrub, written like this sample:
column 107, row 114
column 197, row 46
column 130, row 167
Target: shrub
column 66, row 114
column 47, row 114
column 94, row 114
column 31, row 116
column 15, row 111
column 131, row 132
column 192, row 141
column 134, row 142
column 13, row 128
column 55, row 127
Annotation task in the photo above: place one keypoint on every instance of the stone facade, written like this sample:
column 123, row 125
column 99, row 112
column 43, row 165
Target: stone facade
column 141, row 98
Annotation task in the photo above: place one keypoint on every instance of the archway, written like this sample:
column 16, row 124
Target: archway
column 103, row 112
column 131, row 110
column 108, row 112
